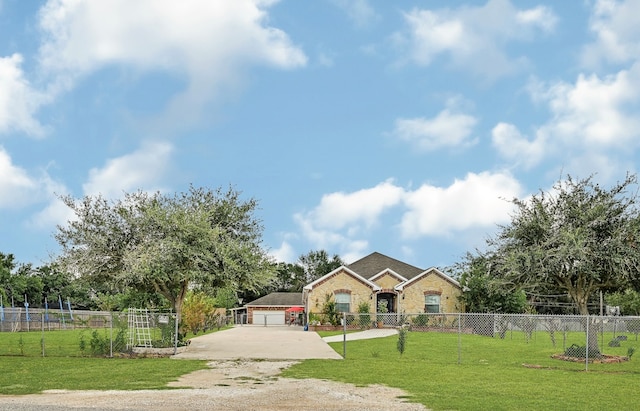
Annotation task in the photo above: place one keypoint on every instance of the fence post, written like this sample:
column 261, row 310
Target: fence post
column 42, row 327
column 175, row 339
column 586, row 354
column 111, row 335
column 459, row 336
column 344, row 335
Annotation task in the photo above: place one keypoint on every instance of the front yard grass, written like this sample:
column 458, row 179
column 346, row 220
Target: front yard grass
column 23, row 370
column 493, row 374
column 28, row 375
column 65, row 343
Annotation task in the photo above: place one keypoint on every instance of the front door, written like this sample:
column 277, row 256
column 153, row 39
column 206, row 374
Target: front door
column 390, row 300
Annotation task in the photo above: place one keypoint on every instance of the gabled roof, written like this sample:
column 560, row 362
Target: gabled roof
column 278, row 299
column 391, row 273
column 346, row 270
column 426, row 273
column 375, row 263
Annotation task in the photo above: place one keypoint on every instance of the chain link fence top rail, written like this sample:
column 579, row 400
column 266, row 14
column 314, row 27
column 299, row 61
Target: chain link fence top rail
column 41, row 332
column 459, row 333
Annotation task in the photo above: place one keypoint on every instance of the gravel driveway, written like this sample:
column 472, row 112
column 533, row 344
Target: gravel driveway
column 238, row 383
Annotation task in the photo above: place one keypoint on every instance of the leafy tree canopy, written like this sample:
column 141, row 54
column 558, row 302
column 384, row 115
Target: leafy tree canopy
column 483, row 293
column 315, row 264
column 166, row 243
column 579, row 238
column 628, row 301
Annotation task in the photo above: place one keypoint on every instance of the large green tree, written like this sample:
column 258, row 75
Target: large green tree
column 628, row 301
column 579, row 238
column 18, row 281
column 167, row 244
column 484, row 293
column 289, row 278
column 317, row 263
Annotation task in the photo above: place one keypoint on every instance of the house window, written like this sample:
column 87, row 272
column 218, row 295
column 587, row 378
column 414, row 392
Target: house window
column 343, row 302
column 431, row 303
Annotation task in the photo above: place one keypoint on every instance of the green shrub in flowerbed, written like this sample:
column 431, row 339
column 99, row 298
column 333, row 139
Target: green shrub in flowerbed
column 503, row 374
column 580, row 351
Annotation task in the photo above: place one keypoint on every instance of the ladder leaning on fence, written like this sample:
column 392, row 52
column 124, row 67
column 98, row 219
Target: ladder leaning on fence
column 139, row 332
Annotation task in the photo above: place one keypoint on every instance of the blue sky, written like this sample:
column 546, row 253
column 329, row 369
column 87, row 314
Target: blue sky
column 359, row 125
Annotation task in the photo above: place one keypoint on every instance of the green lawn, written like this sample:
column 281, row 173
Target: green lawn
column 64, row 343
column 67, row 366
column 26, row 375
column 491, row 373
column 490, row 376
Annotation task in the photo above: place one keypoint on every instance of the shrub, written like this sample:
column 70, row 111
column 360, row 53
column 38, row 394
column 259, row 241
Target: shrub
column 330, row 311
column 101, row 344
column 315, row 319
column 167, row 335
column 402, row 340
column 364, row 317
column 421, row 320
column 197, row 312
column 580, row 351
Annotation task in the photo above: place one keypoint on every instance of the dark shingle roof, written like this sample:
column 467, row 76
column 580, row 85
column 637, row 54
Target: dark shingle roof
column 374, row 263
column 279, row 299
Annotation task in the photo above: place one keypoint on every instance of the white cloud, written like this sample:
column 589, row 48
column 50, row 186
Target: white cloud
column 616, row 26
column 142, row 169
column 285, row 253
column 17, row 187
column 317, row 235
column 539, row 16
column 480, row 200
column 207, row 42
column 359, row 11
column 344, row 220
column 608, row 171
column 18, row 100
column 447, row 129
column 512, row 145
column 474, row 38
column 591, row 116
column 339, row 210
column 596, row 111
column 354, row 251
column 55, row 212
column 341, row 218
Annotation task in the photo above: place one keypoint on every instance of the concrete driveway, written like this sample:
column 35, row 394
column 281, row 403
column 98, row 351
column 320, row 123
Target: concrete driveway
column 259, row 342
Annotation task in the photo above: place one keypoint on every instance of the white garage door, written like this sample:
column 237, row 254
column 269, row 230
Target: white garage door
column 271, row 317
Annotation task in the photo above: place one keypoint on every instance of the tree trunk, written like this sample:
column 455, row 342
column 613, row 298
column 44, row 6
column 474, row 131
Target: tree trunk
column 592, row 330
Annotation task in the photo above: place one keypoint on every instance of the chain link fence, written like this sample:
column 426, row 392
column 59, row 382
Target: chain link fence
column 582, row 337
column 39, row 332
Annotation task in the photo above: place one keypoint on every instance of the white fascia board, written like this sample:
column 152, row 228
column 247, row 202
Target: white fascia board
column 310, row 286
column 385, row 271
column 428, row 271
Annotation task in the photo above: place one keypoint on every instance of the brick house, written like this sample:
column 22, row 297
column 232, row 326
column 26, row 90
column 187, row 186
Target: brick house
column 377, row 278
